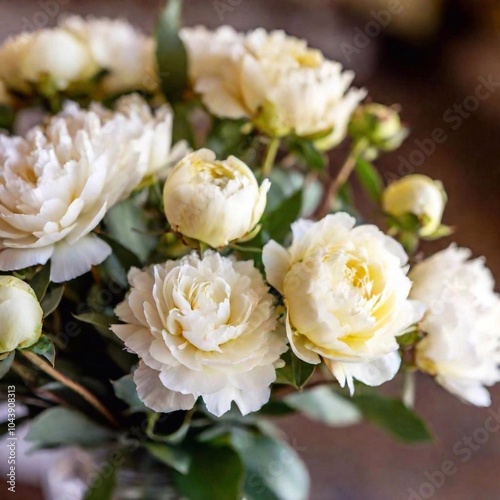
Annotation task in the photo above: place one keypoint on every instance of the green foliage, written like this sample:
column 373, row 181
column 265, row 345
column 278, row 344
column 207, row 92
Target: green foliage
column 276, row 225
column 64, row 427
column 103, row 486
column 173, row 457
column 273, row 469
column 307, row 154
column 325, row 405
column 215, row 472
column 51, row 300
column 41, row 281
column 127, row 224
column 45, row 347
column 6, row 363
column 370, row 179
column 171, row 54
column 295, row 372
column 393, row 416
column 126, row 390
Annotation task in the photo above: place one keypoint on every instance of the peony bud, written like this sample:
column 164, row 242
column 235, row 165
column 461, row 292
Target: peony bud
column 418, row 195
column 20, row 315
column 58, row 55
column 212, row 201
column 380, row 125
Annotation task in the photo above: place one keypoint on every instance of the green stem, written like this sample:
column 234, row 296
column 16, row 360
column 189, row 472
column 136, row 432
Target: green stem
column 409, row 388
column 334, row 184
column 270, row 157
column 70, row 384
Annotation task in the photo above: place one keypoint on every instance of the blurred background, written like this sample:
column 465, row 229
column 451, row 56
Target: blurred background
column 428, row 56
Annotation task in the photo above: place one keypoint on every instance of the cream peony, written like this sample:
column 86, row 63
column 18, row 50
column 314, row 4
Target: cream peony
column 273, row 79
column 418, row 195
column 202, row 327
column 57, row 183
column 116, row 46
column 462, row 346
column 56, row 54
column 20, row 315
column 346, row 292
column 213, row 201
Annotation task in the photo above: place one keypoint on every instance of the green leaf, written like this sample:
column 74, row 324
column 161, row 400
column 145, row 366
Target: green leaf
column 51, row 300
column 295, row 372
column 308, row 154
column 101, row 322
column 170, row 52
column 7, row 117
column 274, row 471
column 6, row 363
column 45, row 347
column 216, row 472
column 126, row 390
column 393, row 416
column 173, row 457
column 127, row 224
column 126, row 257
column 41, row 281
column 325, row 405
column 64, row 427
column 104, row 484
column 370, row 179
column 277, row 224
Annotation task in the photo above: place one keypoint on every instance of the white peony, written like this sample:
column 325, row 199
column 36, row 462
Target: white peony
column 57, row 183
column 56, row 54
column 20, row 315
column 346, row 292
column 116, row 46
column 273, row 79
column 418, row 195
column 202, row 327
column 213, row 201
column 462, row 346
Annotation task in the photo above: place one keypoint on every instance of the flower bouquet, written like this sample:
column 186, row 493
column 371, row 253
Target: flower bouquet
column 180, row 263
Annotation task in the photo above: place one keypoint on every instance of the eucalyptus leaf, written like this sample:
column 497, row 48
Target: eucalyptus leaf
column 126, row 257
column 324, row 405
column 216, row 472
column 64, row 427
column 171, row 54
column 51, row 300
column 176, row 458
column 100, row 321
column 274, row 471
column 6, row 363
column 393, row 416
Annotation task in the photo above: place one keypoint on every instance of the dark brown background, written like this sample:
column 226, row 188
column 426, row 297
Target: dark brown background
column 426, row 75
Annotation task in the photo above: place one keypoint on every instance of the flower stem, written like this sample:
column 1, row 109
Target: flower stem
column 270, row 157
column 334, row 184
column 409, row 387
column 79, row 389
